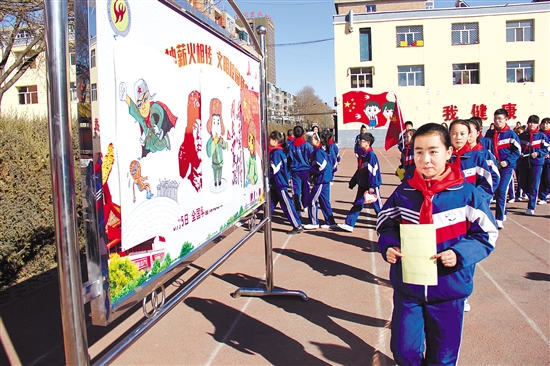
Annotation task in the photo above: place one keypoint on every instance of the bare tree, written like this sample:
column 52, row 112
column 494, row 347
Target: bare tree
column 310, row 110
column 22, row 29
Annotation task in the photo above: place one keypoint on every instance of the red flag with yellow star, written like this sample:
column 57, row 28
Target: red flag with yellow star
column 370, row 109
column 395, row 127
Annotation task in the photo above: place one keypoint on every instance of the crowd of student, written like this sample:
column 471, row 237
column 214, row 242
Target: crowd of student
column 449, row 179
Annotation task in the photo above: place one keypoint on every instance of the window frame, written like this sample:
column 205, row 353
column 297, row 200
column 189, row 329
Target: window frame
column 515, row 30
column 413, row 40
column 470, row 71
column 510, row 70
column 362, row 76
column 93, row 92
column 465, row 32
column 92, row 58
column 365, row 35
column 27, row 94
column 416, row 75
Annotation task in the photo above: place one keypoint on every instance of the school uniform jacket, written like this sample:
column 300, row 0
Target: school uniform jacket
column 368, row 172
column 334, row 155
column 507, row 147
column 298, row 152
column 464, row 224
column 407, row 157
column 278, row 172
column 538, row 143
column 477, row 167
column 547, row 159
column 320, row 166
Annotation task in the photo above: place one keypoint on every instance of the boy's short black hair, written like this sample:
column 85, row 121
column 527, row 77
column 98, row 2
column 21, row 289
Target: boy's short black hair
column 298, row 131
column 409, row 123
column 502, row 111
column 290, row 132
column 367, row 136
column 533, row 118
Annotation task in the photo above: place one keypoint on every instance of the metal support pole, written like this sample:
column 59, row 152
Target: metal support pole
column 261, row 30
column 63, row 189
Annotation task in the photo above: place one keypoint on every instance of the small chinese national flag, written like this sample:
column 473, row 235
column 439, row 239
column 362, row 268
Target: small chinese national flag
column 395, row 128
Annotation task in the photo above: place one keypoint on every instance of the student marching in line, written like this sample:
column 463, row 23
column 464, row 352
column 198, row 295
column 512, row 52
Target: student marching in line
column 507, row 151
column 474, row 139
column 534, row 148
column 426, row 325
column 368, row 179
column 407, row 156
column 357, row 147
column 486, row 142
column 278, row 181
column 544, row 190
column 299, row 152
column 472, row 163
column 320, row 170
column 334, row 153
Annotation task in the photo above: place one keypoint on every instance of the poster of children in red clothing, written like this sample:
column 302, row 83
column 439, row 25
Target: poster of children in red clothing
column 174, row 99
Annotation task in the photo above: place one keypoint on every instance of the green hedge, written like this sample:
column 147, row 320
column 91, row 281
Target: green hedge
column 27, row 235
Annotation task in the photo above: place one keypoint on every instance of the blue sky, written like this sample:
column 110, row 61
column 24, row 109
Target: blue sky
column 306, row 21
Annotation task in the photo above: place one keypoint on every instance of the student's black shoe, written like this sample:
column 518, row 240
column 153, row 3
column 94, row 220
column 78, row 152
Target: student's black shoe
column 296, row 230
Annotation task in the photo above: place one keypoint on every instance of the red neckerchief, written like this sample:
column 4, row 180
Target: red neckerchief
column 278, row 147
column 478, row 146
column 531, row 133
column 450, row 177
column 464, row 149
column 360, row 161
column 290, row 138
column 330, row 141
column 299, row 141
column 495, row 139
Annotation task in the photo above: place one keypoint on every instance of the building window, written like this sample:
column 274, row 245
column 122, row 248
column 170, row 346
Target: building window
column 72, row 58
column 23, row 34
column 74, row 96
column 94, row 92
column 371, row 8
column 465, row 33
column 360, row 77
column 92, row 58
column 520, row 71
column 465, row 74
column 365, row 44
column 429, row 4
column 410, row 75
column 412, row 36
column 520, row 31
column 28, row 94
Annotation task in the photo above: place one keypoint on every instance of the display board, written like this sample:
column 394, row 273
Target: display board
column 177, row 155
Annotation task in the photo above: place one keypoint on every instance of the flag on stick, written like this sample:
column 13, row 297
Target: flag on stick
column 395, row 127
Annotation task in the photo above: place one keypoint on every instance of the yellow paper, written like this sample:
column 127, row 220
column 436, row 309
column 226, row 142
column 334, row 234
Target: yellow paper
column 418, row 245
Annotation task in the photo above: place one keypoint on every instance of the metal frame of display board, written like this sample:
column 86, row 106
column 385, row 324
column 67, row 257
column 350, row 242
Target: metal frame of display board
column 73, row 293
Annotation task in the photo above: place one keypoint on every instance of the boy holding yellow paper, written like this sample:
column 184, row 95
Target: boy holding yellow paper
column 454, row 230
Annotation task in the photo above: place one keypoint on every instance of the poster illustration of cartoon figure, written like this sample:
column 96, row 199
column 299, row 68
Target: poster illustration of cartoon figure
column 139, row 181
column 216, row 144
column 251, row 131
column 155, row 118
column 387, row 111
column 190, row 161
column 371, row 110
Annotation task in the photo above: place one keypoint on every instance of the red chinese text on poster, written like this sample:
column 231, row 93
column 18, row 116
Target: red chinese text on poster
column 511, row 109
column 479, row 111
column 450, row 112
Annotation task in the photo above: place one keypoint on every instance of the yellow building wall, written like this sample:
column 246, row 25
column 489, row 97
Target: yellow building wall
column 423, row 104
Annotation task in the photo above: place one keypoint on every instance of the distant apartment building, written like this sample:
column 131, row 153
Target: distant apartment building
column 444, row 64
column 267, row 22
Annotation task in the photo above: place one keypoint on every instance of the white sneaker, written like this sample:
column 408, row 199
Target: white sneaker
column 541, row 202
column 511, row 200
column 500, row 225
column 346, row 227
column 467, row 306
column 493, row 200
column 311, row 226
column 530, row 212
column 325, row 226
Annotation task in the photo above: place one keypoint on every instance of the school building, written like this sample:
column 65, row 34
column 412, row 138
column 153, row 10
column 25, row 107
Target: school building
column 443, row 64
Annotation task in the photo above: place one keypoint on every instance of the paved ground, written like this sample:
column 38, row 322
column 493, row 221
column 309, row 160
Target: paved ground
column 346, row 318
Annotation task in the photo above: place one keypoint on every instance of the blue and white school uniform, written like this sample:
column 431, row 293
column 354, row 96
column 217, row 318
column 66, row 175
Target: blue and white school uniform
column 544, row 189
column 507, row 148
column 427, row 320
column 298, row 153
column 278, row 180
column 321, row 175
column 529, row 168
column 367, row 176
